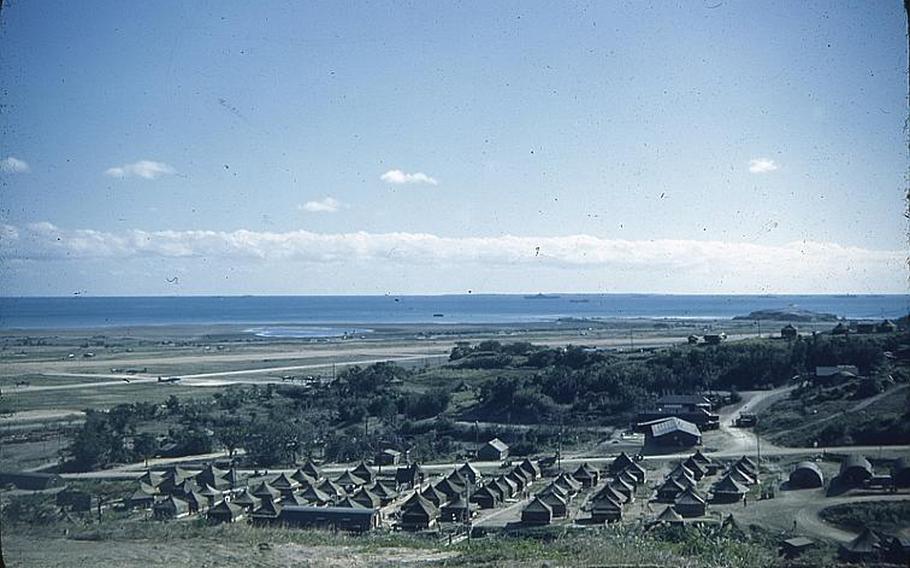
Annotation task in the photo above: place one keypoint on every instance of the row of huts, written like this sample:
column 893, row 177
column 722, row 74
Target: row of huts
column 456, row 496
column 622, row 478
column 351, row 500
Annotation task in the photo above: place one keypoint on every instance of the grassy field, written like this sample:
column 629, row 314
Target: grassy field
column 192, row 543
column 796, row 422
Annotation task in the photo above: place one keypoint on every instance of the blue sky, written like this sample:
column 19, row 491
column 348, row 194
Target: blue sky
column 211, row 147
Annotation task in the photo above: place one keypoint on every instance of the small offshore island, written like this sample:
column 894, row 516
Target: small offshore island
column 789, row 315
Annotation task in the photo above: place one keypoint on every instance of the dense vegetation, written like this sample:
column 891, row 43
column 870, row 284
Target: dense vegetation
column 580, row 385
column 881, row 516
column 446, row 412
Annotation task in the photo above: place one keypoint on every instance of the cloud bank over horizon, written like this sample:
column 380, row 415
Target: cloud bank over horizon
column 664, row 265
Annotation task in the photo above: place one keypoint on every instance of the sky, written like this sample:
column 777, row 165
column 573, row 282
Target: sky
column 445, row 147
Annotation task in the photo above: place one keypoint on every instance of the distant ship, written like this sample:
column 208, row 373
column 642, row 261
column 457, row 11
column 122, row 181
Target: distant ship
column 581, row 301
column 542, row 297
column 439, row 315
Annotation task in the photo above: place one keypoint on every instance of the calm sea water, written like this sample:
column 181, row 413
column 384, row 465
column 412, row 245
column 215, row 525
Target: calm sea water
column 81, row 312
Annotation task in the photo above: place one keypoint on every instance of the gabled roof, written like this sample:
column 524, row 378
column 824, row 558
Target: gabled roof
column 458, row 503
column 610, row 493
column 517, row 479
column 530, row 467
column 294, row 499
column 469, row 472
column 303, row 478
column 147, row 489
column 739, row 476
column 669, row 515
column 573, row 483
column 584, row 471
column 673, row 425
column 283, row 482
column 745, row 468
column 729, row 486
column 700, row 457
column 209, row 474
column 487, row 491
column 419, row 505
column 672, row 484
column 247, row 499
column 606, row 502
column 627, row 478
column 151, row 478
column 686, row 399
column 497, row 444
column 173, row 503
column 268, row 509
column 622, row 486
column 209, row 491
column 226, row 509
column 551, row 498
column 559, row 489
column 382, row 491
column 748, row 461
column 315, row 495
column 508, row 481
column 366, row 497
column 364, row 472
column 434, row 495
column 265, row 490
column 457, row 478
column 351, row 504
column 449, row 488
column 140, row 495
column 330, row 487
column 232, row 477
column 622, row 461
column 348, row 478
column 537, row 505
column 695, row 466
column 310, row 469
column 690, row 497
column 177, row 472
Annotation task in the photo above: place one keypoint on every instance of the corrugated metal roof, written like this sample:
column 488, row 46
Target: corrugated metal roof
column 672, row 426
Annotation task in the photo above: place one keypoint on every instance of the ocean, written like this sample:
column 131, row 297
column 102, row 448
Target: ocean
column 89, row 312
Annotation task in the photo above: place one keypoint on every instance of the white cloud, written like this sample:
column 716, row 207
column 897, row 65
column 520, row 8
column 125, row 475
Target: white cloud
column 761, row 165
column 324, row 205
column 731, row 266
column 399, row 177
column 146, row 169
column 13, row 165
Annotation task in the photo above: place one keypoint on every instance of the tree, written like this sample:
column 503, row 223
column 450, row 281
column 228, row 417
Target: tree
column 272, row 442
column 95, row 444
column 145, row 445
column 231, row 436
